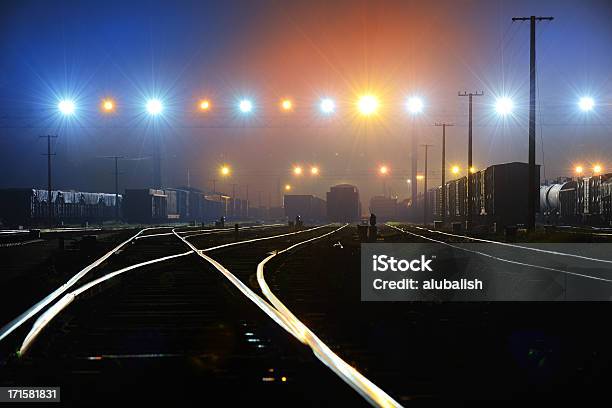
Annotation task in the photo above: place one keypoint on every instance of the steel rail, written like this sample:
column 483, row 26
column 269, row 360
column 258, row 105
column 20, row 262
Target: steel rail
column 509, row 244
column 366, row 388
column 68, row 298
column 46, row 317
column 37, row 307
column 510, row 261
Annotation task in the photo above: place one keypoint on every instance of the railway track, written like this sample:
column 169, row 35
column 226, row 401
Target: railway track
column 523, row 252
column 429, row 353
column 104, row 262
column 181, row 318
column 180, row 327
column 243, row 275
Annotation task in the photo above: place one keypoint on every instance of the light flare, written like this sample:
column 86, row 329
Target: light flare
column 368, row 105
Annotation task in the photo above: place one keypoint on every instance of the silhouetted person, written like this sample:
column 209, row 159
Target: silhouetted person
column 372, row 220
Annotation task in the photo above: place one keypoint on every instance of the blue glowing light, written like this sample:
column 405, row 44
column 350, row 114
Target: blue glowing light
column 246, row 106
column 154, row 107
column 66, row 107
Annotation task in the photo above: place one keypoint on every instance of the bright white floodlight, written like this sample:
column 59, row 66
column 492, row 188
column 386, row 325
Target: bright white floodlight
column 414, row 105
column 154, row 107
column 66, row 107
column 245, row 106
column 504, row 106
column 328, row 106
column 586, row 104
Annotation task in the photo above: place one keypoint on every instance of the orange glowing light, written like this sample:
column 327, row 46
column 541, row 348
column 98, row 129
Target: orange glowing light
column 287, row 187
column 297, row 170
column 597, row 169
column 108, row 105
column 384, row 170
column 225, row 170
column 204, row 105
column 578, row 169
column 420, row 177
column 314, row 171
column 368, row 105
column 286, row 105
column 455, row 169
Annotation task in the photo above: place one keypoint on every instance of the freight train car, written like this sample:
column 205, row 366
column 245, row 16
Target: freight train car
column 499, row 197
column 216, row 207
column 146, row 206
column 29, row 207
column 202, row 207
column 585, row 201
column 177, row 205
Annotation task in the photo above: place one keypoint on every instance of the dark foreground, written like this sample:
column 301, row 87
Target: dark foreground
column 179, row 332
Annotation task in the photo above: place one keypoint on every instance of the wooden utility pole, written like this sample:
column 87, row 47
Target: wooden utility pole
column 468, row 220
column 49, row 187
column 531, row 183
column 426, row 146
column 116, row 158
column 443, row 195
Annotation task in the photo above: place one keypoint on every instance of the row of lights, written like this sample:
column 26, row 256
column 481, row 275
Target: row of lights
column 298, row 171
column 155, row 106
column 367, row 105
column 225, row 170
column 597, row 169
column 383, row 170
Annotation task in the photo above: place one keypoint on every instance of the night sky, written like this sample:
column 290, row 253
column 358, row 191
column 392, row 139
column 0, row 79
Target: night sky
column 183, row 51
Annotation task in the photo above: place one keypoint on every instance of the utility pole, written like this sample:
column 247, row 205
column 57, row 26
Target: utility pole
column 248, row 204
column 426, row 146
column 157, row 165
column 234, row 199
column 414, row 169
column 532, row 192
column 468, row 220
column 49, row 190
column 116, row 158
column 443, row 197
